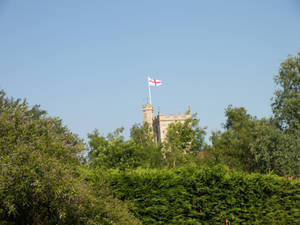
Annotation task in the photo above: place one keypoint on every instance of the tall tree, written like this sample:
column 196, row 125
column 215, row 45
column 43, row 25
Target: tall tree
column 234, row 143
column 286, row 110
column 268, row 144
column 286, row 105
column 274, row 151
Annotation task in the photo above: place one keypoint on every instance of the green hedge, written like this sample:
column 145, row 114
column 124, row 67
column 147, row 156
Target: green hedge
column 192, row 195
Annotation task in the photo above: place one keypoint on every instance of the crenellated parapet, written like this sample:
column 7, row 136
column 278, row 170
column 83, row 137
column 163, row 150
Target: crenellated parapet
column 166, row 120
column 175, row 118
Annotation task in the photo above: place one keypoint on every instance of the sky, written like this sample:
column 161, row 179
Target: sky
column 87, row 62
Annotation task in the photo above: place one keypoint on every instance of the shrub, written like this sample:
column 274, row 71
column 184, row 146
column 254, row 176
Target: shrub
column 192, row 195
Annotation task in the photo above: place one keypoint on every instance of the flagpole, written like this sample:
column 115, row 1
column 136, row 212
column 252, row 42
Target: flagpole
column 149, row 94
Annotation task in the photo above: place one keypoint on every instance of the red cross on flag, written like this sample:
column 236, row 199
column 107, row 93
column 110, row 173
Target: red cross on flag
column 153, row 82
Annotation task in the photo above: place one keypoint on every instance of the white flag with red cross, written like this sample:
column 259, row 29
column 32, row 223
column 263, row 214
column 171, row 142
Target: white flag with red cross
column 154, row 82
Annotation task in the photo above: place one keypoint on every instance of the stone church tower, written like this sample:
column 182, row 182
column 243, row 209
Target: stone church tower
column 161, row 122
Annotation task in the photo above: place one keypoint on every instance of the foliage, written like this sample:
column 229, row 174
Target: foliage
column 256, row 145
column 192, row 195
column 234, row 143
column 12, row 106
column 143, row 138
column 142, row 135
column 268, row 144
column 187, row 137
column 183, row 142
column 41, row 178
column 114, row 152
column 274, row 150
column 286, row 105
column 286, row 110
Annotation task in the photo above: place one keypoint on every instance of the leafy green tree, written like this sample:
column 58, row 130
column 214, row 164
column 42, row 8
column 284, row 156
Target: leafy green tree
column 187, row 137
column 143, row 138
column 256, row 145
column 234, row 143
column 142, row 134
column 275, row 151
column 277, row 146
column 183, row 141
column 268, row 144
column 12, row 106
column 113, row 152
column 41, row 178
column 286, row 105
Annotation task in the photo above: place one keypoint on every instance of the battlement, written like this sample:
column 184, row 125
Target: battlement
column 178, row 117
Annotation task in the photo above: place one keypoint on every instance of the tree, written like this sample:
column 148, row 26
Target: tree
column 187, row 137
column 113, row 152
column 286, row 105
column 12, row 106
column 183, row 141
column 274, row 151
column 268, row 144
column 234, row 143
column 41, row 179
column 143, row 138
column 256, row 145
column 142, row 134
column 286, row 110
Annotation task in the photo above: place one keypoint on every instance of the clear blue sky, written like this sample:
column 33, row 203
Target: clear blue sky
column 87, row 61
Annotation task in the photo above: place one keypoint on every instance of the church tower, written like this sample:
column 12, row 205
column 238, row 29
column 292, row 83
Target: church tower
column 159, row 124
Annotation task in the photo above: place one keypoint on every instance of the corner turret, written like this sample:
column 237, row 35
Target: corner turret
column 148, row 114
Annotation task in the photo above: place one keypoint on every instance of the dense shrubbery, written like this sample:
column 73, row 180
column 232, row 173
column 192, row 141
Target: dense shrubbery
column 193, row 195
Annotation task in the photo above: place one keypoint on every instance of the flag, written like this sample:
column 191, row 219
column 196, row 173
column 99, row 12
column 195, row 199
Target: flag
column 153, row 82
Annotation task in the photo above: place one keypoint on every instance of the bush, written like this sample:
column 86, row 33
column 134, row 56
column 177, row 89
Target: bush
column 192, row 195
